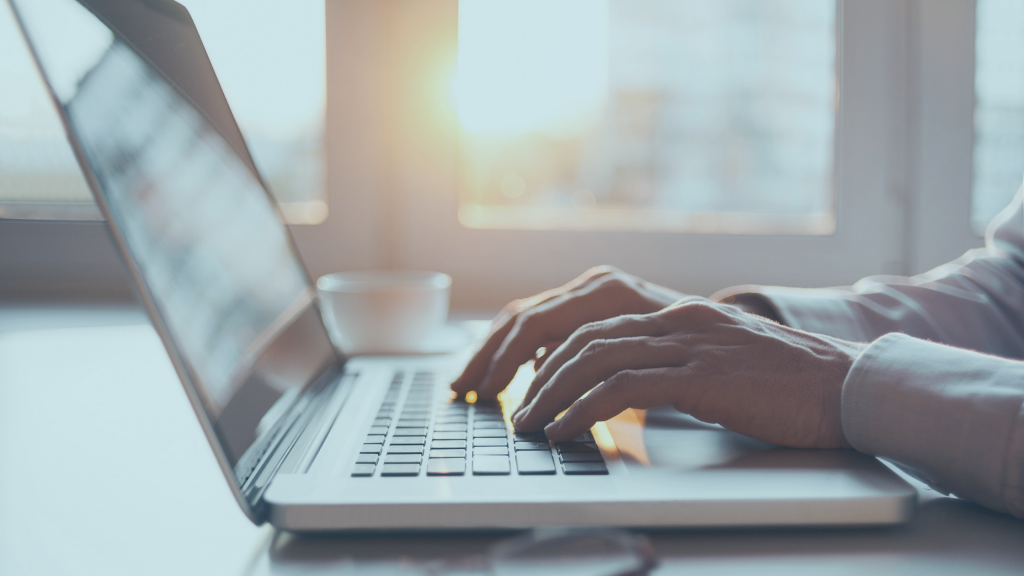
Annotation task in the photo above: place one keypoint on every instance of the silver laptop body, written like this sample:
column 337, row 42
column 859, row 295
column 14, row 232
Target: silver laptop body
column 309, row 439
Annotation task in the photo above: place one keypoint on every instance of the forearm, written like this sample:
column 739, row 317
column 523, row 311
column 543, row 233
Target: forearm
column 975, row 302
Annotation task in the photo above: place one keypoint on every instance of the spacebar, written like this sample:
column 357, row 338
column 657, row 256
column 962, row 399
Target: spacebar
column 535, row 462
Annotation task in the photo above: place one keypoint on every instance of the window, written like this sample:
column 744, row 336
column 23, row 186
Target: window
column 999, row 108
column 270, row 58
column 39, row 177
column 651, row 115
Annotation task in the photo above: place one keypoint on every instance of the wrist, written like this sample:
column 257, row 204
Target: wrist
column 756, row 304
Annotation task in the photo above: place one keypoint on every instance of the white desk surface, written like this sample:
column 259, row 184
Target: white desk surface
column 104, row 470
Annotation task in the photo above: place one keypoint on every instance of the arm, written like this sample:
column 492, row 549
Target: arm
column 975, row 302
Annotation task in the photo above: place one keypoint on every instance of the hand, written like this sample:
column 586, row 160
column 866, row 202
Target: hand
column 547, row 319
column 712, row 361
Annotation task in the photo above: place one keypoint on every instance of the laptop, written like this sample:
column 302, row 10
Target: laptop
column 311, row 439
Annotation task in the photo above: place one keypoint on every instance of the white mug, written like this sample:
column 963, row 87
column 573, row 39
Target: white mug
column 384, row 311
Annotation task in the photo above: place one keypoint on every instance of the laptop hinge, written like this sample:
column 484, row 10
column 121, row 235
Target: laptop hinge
column 299, row 435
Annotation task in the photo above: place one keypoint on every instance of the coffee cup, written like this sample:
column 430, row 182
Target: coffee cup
column 384, row 311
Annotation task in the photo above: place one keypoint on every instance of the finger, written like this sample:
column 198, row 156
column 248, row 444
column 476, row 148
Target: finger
column 597, row 362
column 531, row 329
column 608, row 329
column 598, row 298
column 476, row 369
column 647, row 388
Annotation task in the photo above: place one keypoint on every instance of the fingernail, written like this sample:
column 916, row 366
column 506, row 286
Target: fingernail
column 551, row 429
column 517, row 417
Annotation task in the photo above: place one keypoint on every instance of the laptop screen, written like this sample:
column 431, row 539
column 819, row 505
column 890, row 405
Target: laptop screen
column 198, row 228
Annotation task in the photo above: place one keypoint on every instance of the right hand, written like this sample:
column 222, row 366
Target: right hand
column 546, row 320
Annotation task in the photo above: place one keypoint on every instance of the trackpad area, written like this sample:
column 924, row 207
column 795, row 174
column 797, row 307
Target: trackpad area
column 667, row 438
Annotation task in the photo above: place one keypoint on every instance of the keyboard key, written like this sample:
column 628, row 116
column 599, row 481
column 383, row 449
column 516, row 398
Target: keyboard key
column 382, row 430
column 581, row 457
column 574, row 468
column 490, row 442
column 531, row 437
column 403, row 458
column 449, row 435
column 488, row 417
column 446, row 467
column 451, row 420
column 366, row 459
column 382, row 422
column 489, row 433
column 405, row 449
column 363, row 470
column 491, row 451
column 534, row 462
column 448, row 453
column 586, row 437
column 410, row 440
column 413, row 423
column 533, row 446
column 415, row 415
column 450, row 428
column 566, row 447
column 400, row 470
column 487, row 409
column 418, row 431
column 491, row 466
column 371, row 448
column 374, row 439
column 448, row 444
column 496, row 424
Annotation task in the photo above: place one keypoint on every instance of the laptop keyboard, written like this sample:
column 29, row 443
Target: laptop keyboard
column 415, row 433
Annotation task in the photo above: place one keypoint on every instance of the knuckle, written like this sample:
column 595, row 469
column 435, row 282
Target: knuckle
column 602, row 270
column 591, row 330
column 526, row 323
column 694, row 311
column 613, row 283
column 516, row 306
column 593, row 349
column 621, row 383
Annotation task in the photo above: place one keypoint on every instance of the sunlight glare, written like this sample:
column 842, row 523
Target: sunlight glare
column 531, row 65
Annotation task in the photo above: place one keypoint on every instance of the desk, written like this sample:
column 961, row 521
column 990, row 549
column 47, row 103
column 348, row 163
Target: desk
column 106, row 471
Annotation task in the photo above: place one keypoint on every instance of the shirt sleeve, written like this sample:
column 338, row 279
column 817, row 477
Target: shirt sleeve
column 940, row 389
column 949, row 416
column 975, row 302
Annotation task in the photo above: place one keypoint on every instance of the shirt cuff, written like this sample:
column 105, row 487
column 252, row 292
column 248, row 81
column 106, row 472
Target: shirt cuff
column 949, row 416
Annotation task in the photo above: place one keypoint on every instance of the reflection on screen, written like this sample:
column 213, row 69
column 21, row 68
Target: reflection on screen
column 203, row 233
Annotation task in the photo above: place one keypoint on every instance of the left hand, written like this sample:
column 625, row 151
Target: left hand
column 712, row 361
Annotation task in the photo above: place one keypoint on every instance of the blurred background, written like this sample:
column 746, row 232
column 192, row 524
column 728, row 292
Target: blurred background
column 513, row 144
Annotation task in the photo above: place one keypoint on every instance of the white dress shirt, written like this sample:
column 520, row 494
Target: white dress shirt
column 940, row 390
